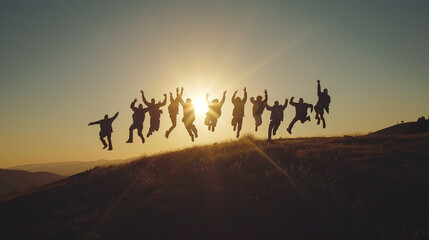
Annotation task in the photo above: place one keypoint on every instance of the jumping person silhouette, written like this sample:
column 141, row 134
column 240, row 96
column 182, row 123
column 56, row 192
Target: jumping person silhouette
column 173, row 110
column 301, row 112
column 188, row 117
column 154, row 112
column 322, row 104
column 138, row 118
column 214, row 111
column 276, row 117
column 258, row 109
column 238, row 111
column 106, row 129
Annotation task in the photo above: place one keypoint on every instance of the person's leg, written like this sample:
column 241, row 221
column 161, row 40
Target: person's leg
column 140, row 132
column 156, row 124
column 323, row 120
column 289, row 129
column 173, row 119
column 130, row 137
column 109, row 139
column 104, row 142
column 258, row 121
column 270, row 129
column 239, row 125
column 234, row 123
column 276, row 127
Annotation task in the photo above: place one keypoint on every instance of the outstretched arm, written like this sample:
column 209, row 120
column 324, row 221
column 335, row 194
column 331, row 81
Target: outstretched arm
column 310, row 106
column 144, row 99
column 269, row 108
column 223, row 98
column 266, row 96
column 93, row 123
column 245, row 95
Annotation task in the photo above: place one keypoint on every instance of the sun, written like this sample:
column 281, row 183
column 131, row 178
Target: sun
column 200, row 105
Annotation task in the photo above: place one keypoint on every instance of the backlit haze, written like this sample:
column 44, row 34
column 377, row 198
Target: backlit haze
column 64, row 64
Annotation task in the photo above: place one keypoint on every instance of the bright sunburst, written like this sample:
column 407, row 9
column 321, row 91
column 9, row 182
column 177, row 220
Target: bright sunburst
column 200, row 105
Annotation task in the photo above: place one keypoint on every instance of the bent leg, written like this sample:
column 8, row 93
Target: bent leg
column 276, row 127
column 289, row 129
column 109, row 139
column 270, row 129
column 239, row 125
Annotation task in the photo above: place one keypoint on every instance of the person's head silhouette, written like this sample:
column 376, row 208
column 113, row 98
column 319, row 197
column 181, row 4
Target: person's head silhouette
column 106, row 116
column 140, row 106
column 152, row 101
column 276, row 103
column 301, row 100
column 188, row 100
column 238, row 99
column 216, row 101
column 259, row 98
column 325, row 91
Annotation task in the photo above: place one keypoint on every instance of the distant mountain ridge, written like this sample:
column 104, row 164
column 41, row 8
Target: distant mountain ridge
column 18, row 180
column 66, row 168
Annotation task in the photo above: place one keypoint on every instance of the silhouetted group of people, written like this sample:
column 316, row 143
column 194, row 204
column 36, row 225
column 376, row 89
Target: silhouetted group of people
column 213, row 114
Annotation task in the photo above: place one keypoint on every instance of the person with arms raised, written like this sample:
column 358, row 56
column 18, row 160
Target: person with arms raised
column 138, row 119
column 322, row 104
column 173, row 110
column 189, row 117
column 238, row 111
column 276, row 117
column 301, row 112
column 214, row 111
column 258, row 108
column 154, row 112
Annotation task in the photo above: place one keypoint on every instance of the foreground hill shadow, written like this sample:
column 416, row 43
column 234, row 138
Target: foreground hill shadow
column 369, row 187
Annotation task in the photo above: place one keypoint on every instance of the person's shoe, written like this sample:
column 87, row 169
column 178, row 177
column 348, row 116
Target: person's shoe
column 196, row 134
column 324, row 125
column 309, row 119
column 289, row 131
column 166, row 134
column 238, row 134
column 213, row 129
column 256, row 128
column 143, row 140
column 318, row 121
column 129, row 141
column 209, row 127
column 274, row 133
column 235, row 127
column 110, row 149
column 192, row 138
column 105, row 146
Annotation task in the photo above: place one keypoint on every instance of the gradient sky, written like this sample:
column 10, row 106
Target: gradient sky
column 64, row 64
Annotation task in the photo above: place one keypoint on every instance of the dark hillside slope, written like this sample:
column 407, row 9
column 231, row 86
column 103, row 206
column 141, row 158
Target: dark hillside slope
column 370, row 187
column 419, row 127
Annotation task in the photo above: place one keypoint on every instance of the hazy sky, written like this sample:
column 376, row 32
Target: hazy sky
column 64, row 64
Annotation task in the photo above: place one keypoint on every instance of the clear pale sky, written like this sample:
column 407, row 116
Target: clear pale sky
column 64, row 64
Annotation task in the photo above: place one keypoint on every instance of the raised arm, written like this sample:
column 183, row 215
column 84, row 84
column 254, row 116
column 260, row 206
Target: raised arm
column 133, row 104
column 318, row 88
column 144, row 99
column 285, row 105
column 171, row 97
column 223, row 98
column 207, row 99
column 233, row 97
column 180, row 100
column 114, row 116
column 292, row 102
column 181, row 91
column 252, row 100
column 165, row 100
column 266, row 96
column 245, row 96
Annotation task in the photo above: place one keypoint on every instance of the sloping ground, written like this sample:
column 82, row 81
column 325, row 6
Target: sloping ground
column 421, row 127
column 17, row 180
column 370, row 187
column 66, row 168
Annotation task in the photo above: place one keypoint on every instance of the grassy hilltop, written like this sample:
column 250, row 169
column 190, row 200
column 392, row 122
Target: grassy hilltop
column 368, row 187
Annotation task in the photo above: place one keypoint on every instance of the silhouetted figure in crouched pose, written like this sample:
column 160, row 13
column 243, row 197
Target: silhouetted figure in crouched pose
column 322, row 104
column 301, row 112
column 189, row 117
column 138, row 118
column 154, row 112
column 214, row 111
column 258, row 109
column 173, row 110
column 238, row 111
column 106, row 129
column 276, row 117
